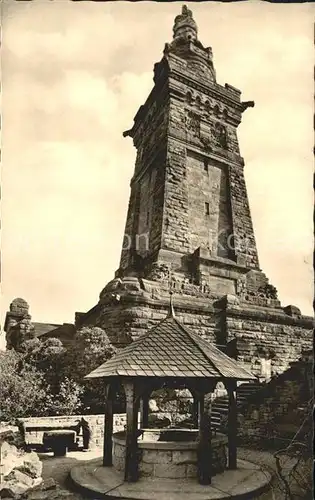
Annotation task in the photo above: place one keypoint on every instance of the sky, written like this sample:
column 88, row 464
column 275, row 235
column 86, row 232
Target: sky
column 74, row 75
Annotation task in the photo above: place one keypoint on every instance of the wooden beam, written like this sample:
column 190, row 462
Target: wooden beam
column 232, row 426
column 204, row 452
column 108, row 428
column 131, row 463
column 195, row 411
column 144, row 419
column 201, row 408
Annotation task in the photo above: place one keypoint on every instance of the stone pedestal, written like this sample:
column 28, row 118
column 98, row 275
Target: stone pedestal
column 250, row 328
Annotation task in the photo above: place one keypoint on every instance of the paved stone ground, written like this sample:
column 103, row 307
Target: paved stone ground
column 265, row 458
column 58, row 469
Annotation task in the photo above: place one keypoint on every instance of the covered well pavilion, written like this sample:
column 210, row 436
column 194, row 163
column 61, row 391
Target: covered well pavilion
column 169, row 355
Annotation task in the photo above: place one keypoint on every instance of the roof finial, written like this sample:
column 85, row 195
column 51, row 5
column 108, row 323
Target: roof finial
column 171, row 313
column 184, row 25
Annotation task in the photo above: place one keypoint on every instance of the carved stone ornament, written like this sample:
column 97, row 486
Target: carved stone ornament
column 219, row 135
column 206, row 141
column 158, row 272
column 268, row 291
column 193, row 123
column 184, row 287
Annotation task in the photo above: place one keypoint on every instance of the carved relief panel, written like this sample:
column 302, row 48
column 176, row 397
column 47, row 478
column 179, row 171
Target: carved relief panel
column 219, row 135
column 213, row 134
column 193, row 123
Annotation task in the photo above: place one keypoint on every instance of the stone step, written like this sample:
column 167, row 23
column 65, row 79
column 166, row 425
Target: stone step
column 215, row 426
column 216, row 418
column 248, row 386
column 248, row 390
column 220, row 405
column 220, row 409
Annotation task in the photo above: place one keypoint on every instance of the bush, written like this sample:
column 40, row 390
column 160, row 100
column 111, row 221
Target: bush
column 30, row 386
column 22, row 390
column 91, row 348
column 45, row 378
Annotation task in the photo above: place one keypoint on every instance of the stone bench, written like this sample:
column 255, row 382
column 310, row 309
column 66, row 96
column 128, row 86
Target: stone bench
column 59, row 441
column 34, row 434
column 34, row 428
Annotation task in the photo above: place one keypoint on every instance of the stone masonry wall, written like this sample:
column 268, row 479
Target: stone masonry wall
column 275, row 341
column 208, row 185
column 279, row 409
column 145, row 211
column 125, row 253
column 132, row 322
column 244, row 239
column 129, row 307
column 157, row 202
column 175, row 222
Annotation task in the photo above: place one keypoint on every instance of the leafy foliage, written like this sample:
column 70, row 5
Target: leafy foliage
column 46, row 378
column 66, row 401
column 21, row 389
column 48, row 357
column 91, row 348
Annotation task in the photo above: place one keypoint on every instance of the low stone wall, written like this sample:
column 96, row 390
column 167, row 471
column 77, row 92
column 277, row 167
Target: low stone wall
column 36, row 426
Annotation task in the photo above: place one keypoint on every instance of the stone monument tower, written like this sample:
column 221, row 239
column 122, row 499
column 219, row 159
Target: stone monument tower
column 189, row 225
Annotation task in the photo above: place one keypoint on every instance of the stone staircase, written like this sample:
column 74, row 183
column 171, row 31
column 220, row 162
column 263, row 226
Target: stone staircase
column 220, row 405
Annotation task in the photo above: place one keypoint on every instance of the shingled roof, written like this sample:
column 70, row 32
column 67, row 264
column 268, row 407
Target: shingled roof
column 171, row 350
column 43, row 328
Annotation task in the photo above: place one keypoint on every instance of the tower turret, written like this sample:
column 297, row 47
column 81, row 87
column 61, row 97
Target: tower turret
column 185, row 26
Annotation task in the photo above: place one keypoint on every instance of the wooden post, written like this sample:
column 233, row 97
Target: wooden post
column 201, row 408
column 232, row 425
column 1, row 464
column 195, row 411
column 131, row 464
column 204, row 454
column 144, row 422
column 108, row 428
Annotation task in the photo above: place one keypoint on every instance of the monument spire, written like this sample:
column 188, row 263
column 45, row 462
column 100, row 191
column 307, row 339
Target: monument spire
column 186, row 136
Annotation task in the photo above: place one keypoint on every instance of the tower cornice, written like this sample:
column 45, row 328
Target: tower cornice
column 227, row 95
column 212, row 89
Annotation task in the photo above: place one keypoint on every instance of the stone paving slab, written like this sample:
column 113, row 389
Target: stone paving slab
column 93, row 479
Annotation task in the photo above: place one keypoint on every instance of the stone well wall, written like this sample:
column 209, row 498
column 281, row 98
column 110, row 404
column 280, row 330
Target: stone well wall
column 170, row 459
